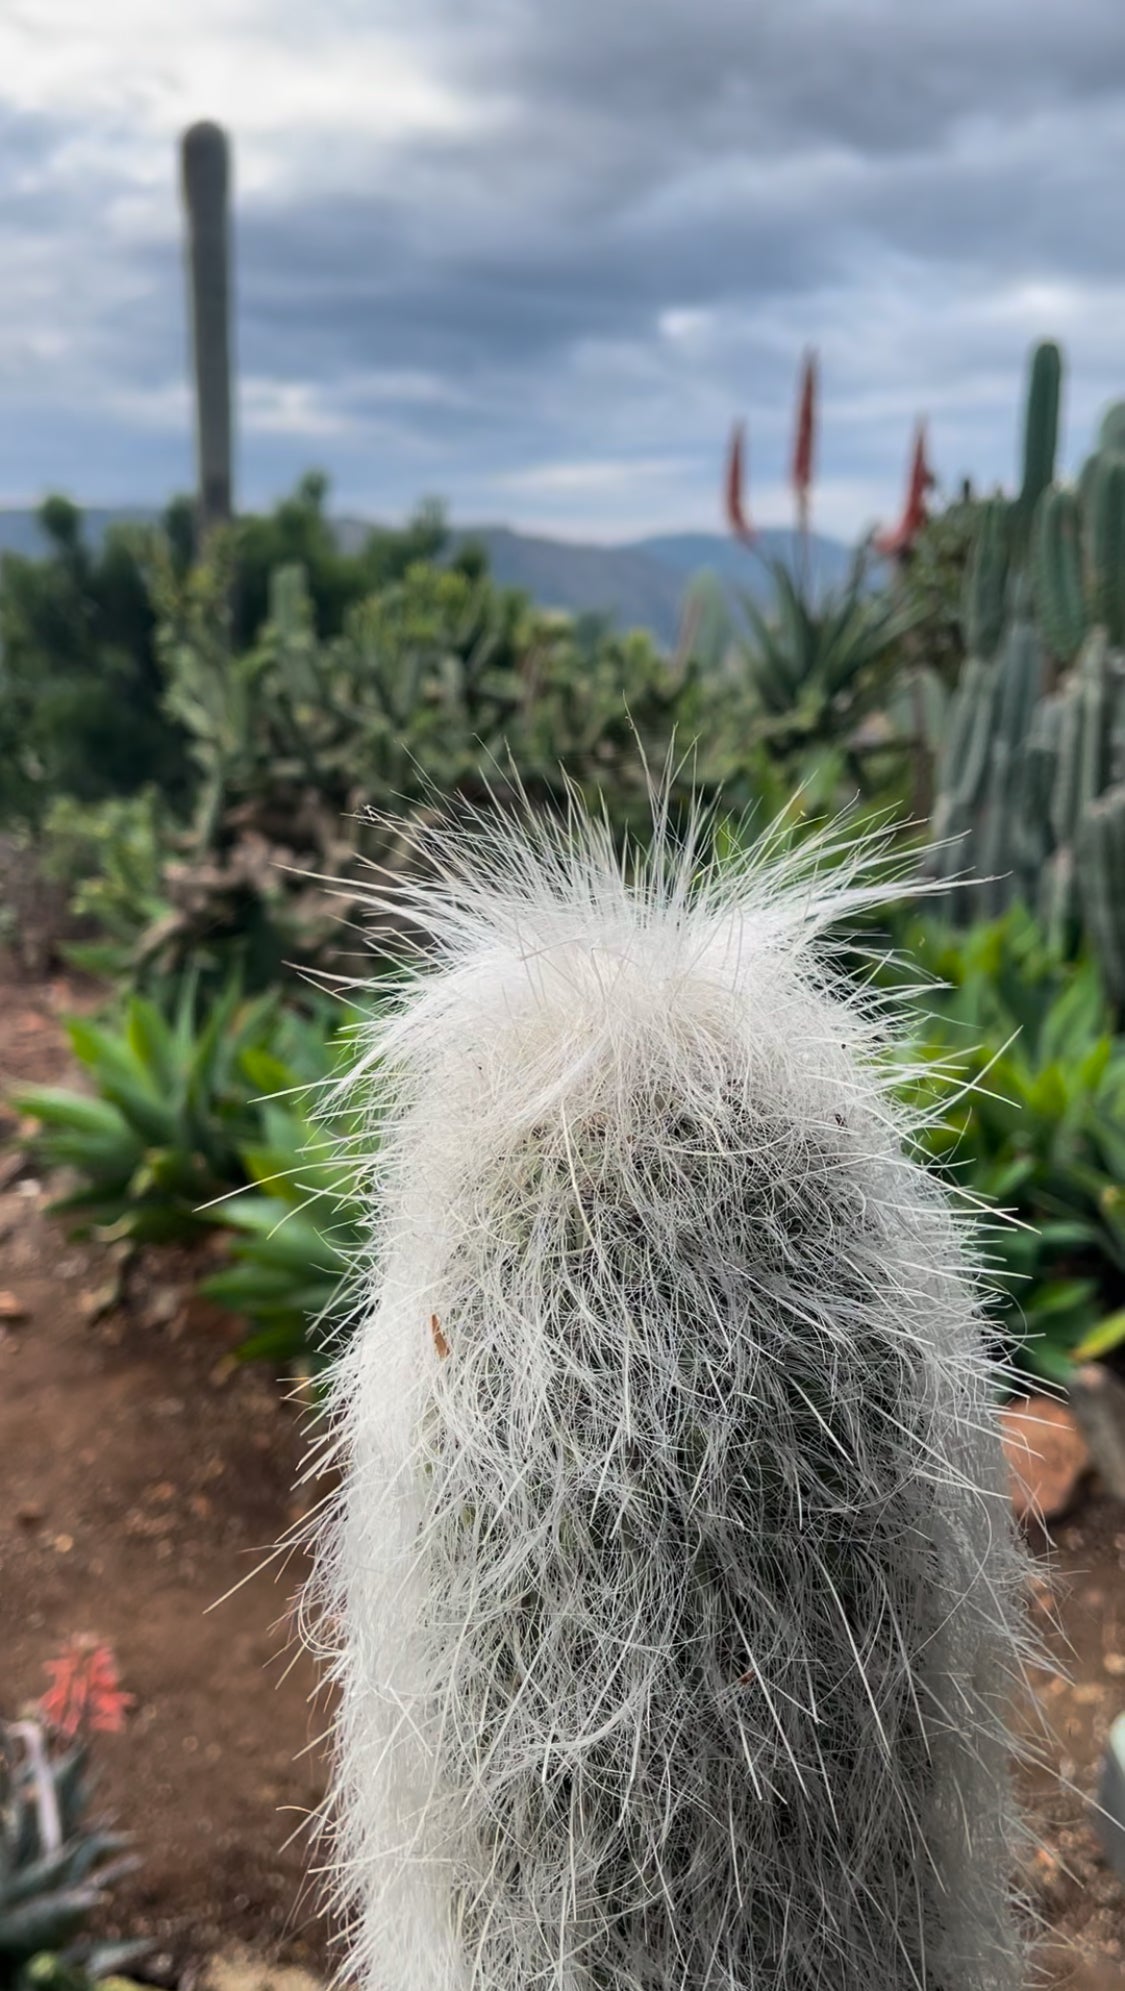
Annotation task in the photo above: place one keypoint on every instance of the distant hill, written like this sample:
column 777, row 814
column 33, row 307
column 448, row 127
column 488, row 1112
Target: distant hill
column 20, row 531
column 690, row 552
column 638, row 585
column 641, row 584
column 625, row 583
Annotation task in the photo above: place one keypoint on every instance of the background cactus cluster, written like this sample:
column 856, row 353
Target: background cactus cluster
column 1031, row 780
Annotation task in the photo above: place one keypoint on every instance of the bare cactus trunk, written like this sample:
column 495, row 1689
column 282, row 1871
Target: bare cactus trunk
column 205, row 159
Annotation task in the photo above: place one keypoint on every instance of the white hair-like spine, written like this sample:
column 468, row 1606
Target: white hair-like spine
column 675, row 1601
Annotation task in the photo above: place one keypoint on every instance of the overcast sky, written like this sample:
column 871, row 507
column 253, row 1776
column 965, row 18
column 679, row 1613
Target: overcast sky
column 534, row 255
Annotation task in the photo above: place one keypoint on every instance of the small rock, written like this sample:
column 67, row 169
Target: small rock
column 1097, row 1398
column 94, row 1305
column 247, row 1973
column 163, row 1307
column 163, row 1970
column 1047, row 1456
column 1110, row 1818
column 1046, row 1875
column 29, row 1514
column 11, row 1308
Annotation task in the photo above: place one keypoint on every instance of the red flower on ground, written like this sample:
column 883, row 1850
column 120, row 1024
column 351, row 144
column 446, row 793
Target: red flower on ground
column 735, row 508
column 85, row 1693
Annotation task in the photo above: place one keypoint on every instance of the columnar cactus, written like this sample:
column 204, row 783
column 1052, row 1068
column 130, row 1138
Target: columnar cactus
column 1040, row 441
column 977, row 823
column 671, row 1571
column 1036, row 735
column 1079, row 736
column 205, row 162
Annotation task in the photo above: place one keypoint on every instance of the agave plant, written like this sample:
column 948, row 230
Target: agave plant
column 160, row 1138
column 54, row 1868
column 820, row 661
column 197, row 1124
column 1038, row 1130
column 298, row 1230
column 818, row 664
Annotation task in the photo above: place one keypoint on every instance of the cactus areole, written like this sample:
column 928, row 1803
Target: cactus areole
column 205, row 161
column 672, row 1581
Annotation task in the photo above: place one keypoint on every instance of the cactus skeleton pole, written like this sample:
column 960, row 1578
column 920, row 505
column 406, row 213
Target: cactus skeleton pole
column 672, row 1573
column 205, row 162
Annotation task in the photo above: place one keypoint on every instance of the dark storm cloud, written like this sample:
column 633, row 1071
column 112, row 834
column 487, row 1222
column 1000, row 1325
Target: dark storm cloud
column 873, row 74
column 659, row 155
column 906, row 186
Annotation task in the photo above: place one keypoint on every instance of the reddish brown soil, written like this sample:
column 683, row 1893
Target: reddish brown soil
column 1082, row 1613
column 142, row 1474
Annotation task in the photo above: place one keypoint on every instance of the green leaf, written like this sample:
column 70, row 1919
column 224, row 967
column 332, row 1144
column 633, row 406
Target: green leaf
column 285, row 1340
column 1108, row 1335
column 266, row 1071
column 151, row 1114
column 153, row 1043
column 48, row 1924
column 252, row 1287
column 1058, row 1297
column 104, row 1054
column 274, row 1237
column 1045, row 1360
column 55, row 1106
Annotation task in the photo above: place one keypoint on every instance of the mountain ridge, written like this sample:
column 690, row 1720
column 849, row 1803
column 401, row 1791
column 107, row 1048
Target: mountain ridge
column 637, row 583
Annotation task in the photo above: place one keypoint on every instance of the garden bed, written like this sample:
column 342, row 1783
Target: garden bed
column 145, row 1474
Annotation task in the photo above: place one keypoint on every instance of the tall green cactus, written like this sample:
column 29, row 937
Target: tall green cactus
column 1101, row 854
column 1057, row 572
column 1041, row 434
column 1031, row 781
column 205, row 159
column 1106, row 545
column 986, row 583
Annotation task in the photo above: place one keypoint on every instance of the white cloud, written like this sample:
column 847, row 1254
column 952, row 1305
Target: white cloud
column 589, row 476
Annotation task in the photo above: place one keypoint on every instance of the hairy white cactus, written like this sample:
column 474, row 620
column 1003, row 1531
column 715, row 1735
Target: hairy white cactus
column 676, row 1598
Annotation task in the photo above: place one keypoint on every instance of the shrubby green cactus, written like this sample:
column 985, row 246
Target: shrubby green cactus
column 438, row 682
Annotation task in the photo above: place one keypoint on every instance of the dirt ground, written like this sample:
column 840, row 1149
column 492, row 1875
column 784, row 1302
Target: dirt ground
column 143, row 1475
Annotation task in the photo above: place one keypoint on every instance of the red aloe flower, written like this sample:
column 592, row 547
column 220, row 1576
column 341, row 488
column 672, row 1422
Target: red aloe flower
column 900, row 538
column 85, row 1691
column 737, row 519
column 805, row 440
